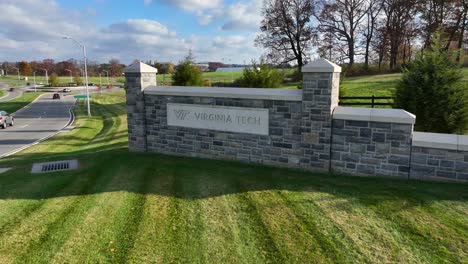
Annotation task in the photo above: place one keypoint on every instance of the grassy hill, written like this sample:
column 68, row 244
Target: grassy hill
column 125, row 207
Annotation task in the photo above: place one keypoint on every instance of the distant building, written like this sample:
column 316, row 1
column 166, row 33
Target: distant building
column 233, row 69
column 202, row 66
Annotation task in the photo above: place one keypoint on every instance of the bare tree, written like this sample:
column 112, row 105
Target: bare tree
column 398, row 17
column 374, row 7
column 287, row 33
column 342, row 18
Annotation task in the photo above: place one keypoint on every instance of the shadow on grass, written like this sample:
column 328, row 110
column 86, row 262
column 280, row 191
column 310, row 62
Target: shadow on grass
column 193, row 178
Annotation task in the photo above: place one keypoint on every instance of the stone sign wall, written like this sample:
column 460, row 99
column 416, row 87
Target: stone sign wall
column 287, row 127
column 209, row 127
column 220, row 118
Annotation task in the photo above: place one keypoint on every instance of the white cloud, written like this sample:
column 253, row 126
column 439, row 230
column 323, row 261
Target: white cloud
column 195, row 5
column 28, row 31
column 144, row 26
column 241, row 16
column 147, row 2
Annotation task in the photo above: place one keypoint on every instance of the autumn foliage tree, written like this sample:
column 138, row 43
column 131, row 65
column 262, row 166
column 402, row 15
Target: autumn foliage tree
column 25, row 68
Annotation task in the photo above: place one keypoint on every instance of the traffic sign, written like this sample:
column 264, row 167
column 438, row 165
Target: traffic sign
column 81, row 96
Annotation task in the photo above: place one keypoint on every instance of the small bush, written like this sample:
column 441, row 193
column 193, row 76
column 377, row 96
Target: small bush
column 260, row 76
column 432, row 88
column 54, row 80
column 187, row 74
column 207, row 83
column 78, row 80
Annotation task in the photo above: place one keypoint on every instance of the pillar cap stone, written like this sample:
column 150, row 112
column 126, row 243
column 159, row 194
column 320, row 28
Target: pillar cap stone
column 140, row 67
column 321, row 65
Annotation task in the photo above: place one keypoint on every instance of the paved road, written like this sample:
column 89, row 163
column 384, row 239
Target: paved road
column 11, row 95
column 38, row 120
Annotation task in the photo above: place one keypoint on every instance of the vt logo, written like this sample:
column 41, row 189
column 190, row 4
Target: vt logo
column 181, row 114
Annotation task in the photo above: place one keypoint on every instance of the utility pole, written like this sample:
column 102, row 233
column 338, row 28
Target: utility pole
column 71, row 78
column 47, row 76
column 35, row 87
column 86, row 72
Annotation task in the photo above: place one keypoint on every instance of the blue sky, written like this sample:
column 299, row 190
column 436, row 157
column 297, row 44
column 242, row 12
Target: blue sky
column 162, row 30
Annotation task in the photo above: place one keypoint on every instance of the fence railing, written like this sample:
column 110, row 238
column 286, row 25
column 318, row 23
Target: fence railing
column 373, row 100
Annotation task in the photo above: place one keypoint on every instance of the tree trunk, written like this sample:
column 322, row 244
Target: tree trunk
column 460, row 39
column 366, row 56
column 351, row 53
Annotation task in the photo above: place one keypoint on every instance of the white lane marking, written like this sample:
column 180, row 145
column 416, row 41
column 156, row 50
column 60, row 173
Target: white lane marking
column 23, row 126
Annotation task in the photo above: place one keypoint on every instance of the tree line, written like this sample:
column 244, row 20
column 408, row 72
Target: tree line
column 385, row 33
column 63, row 68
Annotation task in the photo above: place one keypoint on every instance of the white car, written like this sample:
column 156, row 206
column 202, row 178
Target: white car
column 6, row 119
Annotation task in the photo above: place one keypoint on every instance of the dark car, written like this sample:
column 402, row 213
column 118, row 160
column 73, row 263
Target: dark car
column 66, row 90
column 12, row 89
column 6, row 119
column 56, row 96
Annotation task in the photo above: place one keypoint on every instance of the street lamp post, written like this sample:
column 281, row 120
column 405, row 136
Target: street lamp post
column 107, row 74
column 18, row 76
column 71, row 78
column 47, row 76
column 35, row 87
column 86, row 72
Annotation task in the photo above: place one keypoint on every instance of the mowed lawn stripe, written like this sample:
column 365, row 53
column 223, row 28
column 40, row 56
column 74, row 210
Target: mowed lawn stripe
column 254, row 229
column 58, row 231
column 426, row 233
column 30, row 230
column 333, row 242
column 99, row 235
column 230, row 238
column 290, row 235
column 186, row 226
column 152, row 243
column 24, row 185
column 362, row 226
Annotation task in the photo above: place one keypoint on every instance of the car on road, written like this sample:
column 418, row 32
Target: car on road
column 12, row 89
column 6, row 119
column 66, row 90
column 56, row 96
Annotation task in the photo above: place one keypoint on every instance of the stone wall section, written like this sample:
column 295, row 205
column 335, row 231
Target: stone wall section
column 320, row 97
column 282, row 147
column 371, row 148
column 433, row 163
column 135, row 112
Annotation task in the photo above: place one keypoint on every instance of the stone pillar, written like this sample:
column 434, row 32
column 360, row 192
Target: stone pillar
column 320, row 87
column 138, row 77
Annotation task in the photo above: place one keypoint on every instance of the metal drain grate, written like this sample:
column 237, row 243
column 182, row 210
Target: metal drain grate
column 54, row 166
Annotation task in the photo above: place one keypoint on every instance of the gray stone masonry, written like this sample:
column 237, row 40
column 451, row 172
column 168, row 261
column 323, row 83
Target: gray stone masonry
column 320, row 97
column 138, row 76
column 432, row 163
column 306, row 129
column 282, row 147
column 371, row 148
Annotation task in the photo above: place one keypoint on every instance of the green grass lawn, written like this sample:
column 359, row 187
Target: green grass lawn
column 16, row 104
column 12, row 80
column 140, row 208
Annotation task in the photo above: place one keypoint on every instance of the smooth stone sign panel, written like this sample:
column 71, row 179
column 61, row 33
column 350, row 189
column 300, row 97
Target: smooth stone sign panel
column 221, row 118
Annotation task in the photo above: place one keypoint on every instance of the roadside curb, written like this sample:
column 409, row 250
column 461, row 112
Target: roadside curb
column 71, row 120
column 6, row 95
